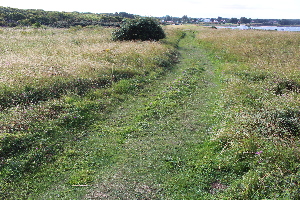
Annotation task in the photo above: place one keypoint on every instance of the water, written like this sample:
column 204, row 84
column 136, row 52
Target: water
column 270, row 28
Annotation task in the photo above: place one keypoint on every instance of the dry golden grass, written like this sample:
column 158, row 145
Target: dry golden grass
column 35, row 55
column 256, row 64
column 259, row 108
column 276, row 52
column 262, row 91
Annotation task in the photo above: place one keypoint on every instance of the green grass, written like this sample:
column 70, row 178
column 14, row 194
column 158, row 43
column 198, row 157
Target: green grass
column 260, row 108
column 53, row 142
column 166, row 133
column 210, row 127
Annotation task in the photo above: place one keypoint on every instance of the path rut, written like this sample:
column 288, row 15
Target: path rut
column 171, row 118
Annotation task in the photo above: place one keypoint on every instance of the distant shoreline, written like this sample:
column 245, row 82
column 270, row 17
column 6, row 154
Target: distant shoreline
column 261, row 27
column 252, row 25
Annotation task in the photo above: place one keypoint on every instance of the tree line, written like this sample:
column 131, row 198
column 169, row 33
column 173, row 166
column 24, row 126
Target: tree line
column 12, row 17
column 244, row 20
column 221, row 20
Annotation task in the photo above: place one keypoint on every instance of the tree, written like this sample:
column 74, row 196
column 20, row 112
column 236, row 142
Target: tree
column 185, row 18
column 234, row 20
column 139, row 29
column 168, row 18
column 244, row 20
column 15, row 16
column 126, row 15
column 285, row 22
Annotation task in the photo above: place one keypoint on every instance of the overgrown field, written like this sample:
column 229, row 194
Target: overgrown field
column 260, row 109
column 38, row 64
column 85, row 117
column 56, row 82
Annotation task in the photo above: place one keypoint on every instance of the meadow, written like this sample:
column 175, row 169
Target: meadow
column 260, row 108
column 37, row 64
column 83, row 116
column 45, row 72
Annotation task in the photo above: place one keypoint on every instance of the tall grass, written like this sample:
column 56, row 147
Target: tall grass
column 260, row 109
column 53, row 60
column 54, row 84
column 43, row 64
column 275, row 52
column 51, row 104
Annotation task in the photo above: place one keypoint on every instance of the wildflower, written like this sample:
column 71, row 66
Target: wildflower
column 259, row 152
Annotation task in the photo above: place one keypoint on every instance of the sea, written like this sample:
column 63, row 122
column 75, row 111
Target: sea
column 269, row 28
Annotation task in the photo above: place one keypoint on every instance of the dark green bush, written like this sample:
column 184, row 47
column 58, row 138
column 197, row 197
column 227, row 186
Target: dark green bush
column 139, row 29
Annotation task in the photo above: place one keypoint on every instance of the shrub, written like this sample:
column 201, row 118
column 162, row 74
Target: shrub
column 36, row 25
column 139, row 29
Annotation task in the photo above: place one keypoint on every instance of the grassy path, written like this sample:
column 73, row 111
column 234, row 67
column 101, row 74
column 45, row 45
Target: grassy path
column 161, row 133
column 212, row 127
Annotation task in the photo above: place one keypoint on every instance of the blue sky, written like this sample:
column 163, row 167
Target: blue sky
column 287, row 9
